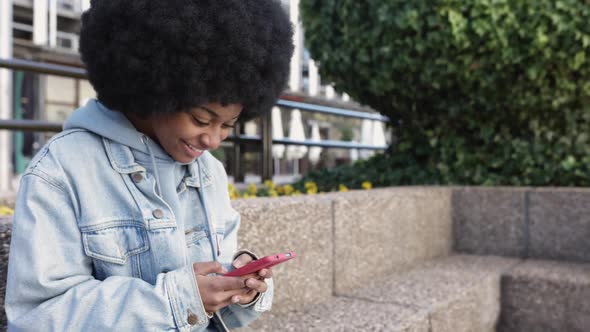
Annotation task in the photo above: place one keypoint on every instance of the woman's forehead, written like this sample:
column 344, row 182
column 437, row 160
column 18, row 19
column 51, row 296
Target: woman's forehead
column 217, row 110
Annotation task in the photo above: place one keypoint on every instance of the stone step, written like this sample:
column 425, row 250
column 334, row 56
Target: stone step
column 456, row 294
column 344, row 314
column 546, row 296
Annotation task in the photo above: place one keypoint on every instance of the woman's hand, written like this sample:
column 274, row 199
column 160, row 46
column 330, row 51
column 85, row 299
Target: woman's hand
column 254, row 281
column 218, row 291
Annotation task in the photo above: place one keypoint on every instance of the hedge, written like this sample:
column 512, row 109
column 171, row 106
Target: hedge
column 481, row 92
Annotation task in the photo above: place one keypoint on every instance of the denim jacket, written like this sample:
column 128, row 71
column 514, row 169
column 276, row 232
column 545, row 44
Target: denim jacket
column 95, row 247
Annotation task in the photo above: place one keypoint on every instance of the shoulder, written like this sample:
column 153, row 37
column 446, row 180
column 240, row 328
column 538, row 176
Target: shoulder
column 70, row 148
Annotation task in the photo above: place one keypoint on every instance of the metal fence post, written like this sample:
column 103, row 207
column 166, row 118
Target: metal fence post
column 266, row 124
column 238, row 148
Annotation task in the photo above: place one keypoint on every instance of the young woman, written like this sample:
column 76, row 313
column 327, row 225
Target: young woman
column 123, row 221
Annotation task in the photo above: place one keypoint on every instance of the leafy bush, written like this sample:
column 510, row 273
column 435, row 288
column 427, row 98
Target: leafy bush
column 492, row 92
column 270, row 189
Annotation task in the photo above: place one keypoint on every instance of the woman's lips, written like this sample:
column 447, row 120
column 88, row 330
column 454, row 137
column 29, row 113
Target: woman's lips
column 192, row 150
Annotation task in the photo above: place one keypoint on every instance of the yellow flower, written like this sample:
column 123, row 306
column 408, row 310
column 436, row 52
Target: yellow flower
column 6, row 211
column 233, row 192
column 269, row 184
column 288, row 189
column 273, row 193
column 252, row 190
column 367, row 185
column 342, row 188
column 296, row 193
column 280, row 190
column 311, row 188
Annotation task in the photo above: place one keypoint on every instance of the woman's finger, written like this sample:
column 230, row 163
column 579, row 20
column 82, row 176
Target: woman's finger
column 241, row 260
column 248, row 297
column 265, row 273
column 257, row 285
column 229, row 283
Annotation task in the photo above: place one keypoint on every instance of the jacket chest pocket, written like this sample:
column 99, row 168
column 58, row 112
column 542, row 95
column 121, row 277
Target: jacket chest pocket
column 115, row 249
column 199, row 245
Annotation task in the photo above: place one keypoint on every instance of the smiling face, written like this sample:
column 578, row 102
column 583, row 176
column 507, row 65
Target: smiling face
column 186, row 135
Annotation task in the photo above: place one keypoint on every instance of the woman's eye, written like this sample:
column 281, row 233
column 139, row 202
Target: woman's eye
column 228, row 126
column 201, row 123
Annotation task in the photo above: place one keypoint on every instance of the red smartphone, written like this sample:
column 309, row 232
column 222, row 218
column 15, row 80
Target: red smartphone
column 262, row 263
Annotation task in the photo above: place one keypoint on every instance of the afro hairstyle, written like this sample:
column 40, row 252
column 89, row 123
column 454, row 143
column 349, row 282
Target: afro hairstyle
column 152, row 57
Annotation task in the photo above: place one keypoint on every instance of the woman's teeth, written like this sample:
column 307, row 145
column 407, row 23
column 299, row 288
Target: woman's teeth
column 193, row 147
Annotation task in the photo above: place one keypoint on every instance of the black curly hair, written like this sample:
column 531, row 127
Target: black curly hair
column 150, row 57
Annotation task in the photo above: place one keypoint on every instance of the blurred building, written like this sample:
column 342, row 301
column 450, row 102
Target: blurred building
column 44, row 31
column 47, row 31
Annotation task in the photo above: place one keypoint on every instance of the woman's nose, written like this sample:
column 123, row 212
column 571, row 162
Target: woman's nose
column 211, row 140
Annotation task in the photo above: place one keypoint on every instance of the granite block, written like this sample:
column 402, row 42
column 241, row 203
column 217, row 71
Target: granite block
column 381, row 231
column 302, row 224
column 343, row 315
column 546, row 296
column 461, row 292
column 560, row 224
column 489, row 221
column 475, row 308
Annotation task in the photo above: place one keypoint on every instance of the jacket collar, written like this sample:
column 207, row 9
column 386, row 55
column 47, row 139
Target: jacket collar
column 195, row 178
column 122, row 160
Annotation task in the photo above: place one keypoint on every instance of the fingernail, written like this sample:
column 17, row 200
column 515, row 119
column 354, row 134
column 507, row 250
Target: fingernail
column 263, row 273
column 223, row 270
column 236, row 299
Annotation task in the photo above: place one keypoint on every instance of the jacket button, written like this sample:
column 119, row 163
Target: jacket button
column 192, row 319
column 157, row 213
column 137, row 177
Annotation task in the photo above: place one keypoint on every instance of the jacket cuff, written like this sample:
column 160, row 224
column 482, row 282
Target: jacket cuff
column 245, row 251
column 185, row 299
column 262, row 301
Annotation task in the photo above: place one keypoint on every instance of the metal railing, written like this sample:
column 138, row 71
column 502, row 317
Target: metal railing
column 265, row 139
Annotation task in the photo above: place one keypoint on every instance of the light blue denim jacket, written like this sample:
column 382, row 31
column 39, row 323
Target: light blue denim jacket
column 106, row 229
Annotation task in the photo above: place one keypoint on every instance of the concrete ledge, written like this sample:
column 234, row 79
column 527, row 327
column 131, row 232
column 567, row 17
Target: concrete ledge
column 343, row 314
column 560, row 224
column 381, row 231
column 537, row 223
column 490, row 221
column 546, row 296
column 460, row 293
column 375, row 248
column 302, row 224
column 455, row 294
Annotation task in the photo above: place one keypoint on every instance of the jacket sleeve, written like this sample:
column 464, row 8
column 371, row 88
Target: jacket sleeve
column 238, row 315
column 50, row 286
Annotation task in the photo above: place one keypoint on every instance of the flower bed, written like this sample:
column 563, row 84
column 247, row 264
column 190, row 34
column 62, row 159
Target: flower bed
column 270, row 189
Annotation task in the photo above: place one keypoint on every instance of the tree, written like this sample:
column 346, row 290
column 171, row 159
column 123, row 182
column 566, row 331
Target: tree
column 480, row 91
